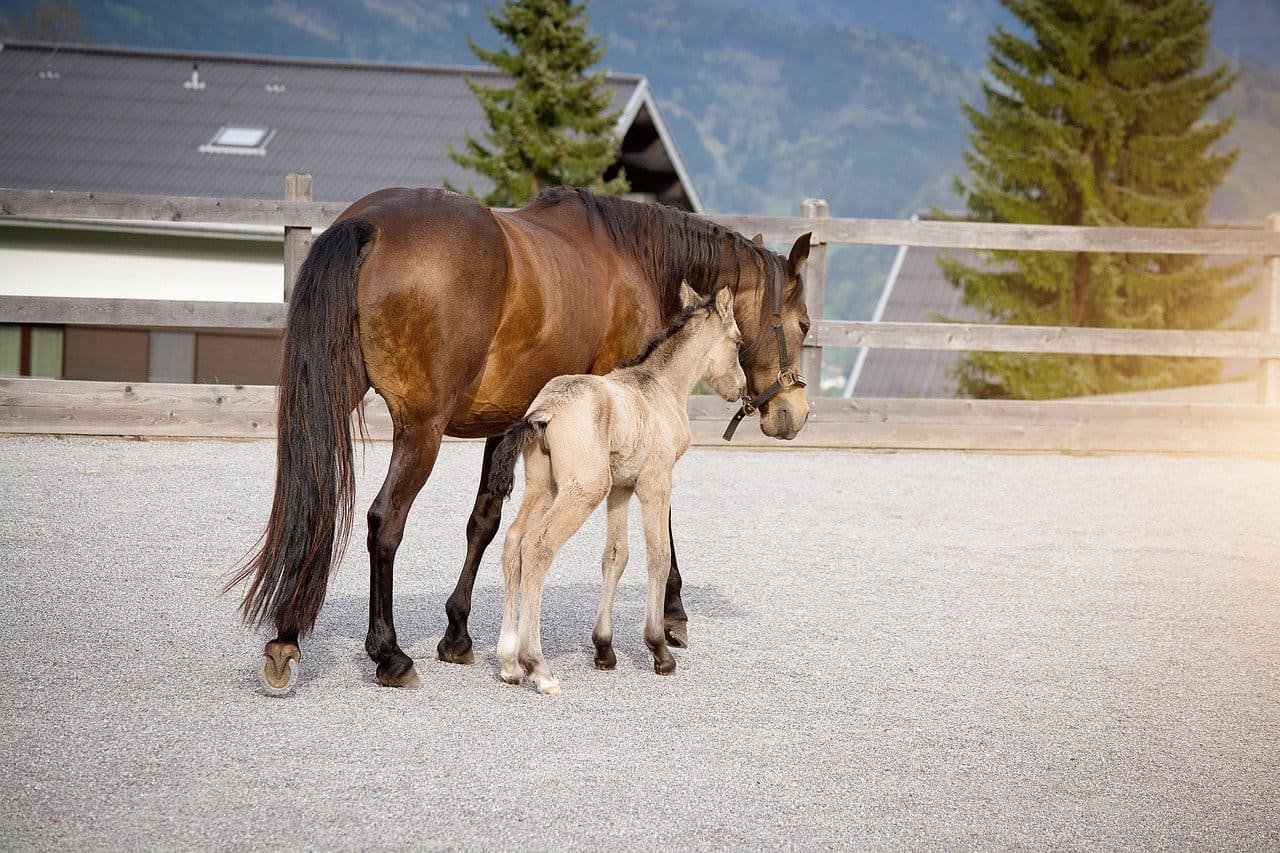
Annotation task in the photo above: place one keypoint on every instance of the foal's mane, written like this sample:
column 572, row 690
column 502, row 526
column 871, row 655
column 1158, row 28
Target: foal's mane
column 669, row 244
column 673, row 328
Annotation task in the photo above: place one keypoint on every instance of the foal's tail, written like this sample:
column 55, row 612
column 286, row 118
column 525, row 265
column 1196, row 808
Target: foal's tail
column 502, row 467
column 322, row 378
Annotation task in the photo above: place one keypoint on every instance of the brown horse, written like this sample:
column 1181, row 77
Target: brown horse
column 458, row 315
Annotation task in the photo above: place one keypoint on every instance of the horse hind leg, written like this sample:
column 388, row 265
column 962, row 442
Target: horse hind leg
column 612, row 565
column 537, row 498
column 486, row 516
column 572, row 504
column 413, row 453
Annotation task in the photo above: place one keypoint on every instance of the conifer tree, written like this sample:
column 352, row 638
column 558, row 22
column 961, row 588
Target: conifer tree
column 550, row 126
column 1097, row 119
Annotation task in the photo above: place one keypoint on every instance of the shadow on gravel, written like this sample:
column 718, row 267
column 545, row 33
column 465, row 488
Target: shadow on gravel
column 568, row 615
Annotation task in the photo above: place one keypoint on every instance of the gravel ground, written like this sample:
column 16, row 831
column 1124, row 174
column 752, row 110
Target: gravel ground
column 890, row 650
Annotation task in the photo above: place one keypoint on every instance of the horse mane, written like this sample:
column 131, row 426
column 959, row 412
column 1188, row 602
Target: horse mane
column 669, row 244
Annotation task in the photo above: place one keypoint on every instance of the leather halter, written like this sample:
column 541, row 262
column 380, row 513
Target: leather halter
column 788, row 377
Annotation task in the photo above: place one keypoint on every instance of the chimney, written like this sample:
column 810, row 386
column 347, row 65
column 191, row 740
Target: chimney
column 195, row 83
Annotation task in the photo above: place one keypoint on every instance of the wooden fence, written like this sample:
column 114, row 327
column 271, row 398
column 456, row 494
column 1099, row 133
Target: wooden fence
column 60, row 406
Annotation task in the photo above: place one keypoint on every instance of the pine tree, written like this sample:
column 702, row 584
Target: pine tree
column 1097, row 119
column 550, row 126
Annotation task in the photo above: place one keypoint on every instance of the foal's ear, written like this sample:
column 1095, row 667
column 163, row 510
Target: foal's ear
column 799, row 253
column 758, row 239
column 724, row 303
column 688, row 296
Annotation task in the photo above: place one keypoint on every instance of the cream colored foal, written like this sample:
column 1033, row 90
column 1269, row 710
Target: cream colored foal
column 586, row 438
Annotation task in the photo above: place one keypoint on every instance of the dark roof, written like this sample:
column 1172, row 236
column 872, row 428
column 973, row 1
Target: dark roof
column 915, row 292
column 124, row 120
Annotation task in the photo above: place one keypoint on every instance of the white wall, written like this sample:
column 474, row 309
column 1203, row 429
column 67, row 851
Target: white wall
column 91, row 264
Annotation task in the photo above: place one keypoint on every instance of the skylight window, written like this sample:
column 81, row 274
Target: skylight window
column 239, row 139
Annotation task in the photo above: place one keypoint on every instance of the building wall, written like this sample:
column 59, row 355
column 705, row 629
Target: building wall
column 108, row 355
column 78, row 262
column 240, row 359
column 49, row 261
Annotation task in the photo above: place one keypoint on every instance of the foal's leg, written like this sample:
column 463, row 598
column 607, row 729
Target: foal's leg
column 654, row 492
column 611, row 566
column 537, row 498
column 413, row 454
column 674, row 620
column 486, row 515
column 572, row 504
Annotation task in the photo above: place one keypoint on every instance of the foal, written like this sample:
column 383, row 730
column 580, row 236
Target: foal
column 587, row 437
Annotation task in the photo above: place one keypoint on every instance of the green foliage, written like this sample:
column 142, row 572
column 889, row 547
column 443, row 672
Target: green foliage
column 1098, row 119
column 550, row 125
column 47, row 20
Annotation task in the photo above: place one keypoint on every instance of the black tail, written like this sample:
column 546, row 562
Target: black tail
column 321, row 378
column 502, row 467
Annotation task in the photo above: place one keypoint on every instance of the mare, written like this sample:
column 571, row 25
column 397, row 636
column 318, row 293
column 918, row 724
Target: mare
column 586, row 438
column 457, row 315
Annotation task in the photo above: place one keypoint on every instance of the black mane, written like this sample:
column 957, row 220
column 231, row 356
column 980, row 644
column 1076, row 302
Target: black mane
column 670, row 244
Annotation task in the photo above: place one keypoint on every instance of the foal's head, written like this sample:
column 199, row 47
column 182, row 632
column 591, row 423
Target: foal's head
column 719, row 337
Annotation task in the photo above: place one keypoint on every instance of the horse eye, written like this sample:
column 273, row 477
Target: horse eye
column 804, row 328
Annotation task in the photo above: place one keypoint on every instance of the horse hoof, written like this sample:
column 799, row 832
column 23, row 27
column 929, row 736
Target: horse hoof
column 457, row 651
column 665, row 667
column 677, row 633
column 278, row 677
column 513, row 677
column 407, row 679
column 549, row 688
column 604, row 663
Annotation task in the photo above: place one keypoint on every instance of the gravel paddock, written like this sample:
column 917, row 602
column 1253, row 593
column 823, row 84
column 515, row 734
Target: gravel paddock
column 889, row 650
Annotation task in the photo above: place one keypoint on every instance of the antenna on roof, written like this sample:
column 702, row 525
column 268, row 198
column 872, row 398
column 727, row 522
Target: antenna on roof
column 195, row 83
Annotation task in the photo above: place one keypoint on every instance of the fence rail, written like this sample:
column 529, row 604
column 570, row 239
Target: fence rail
column 871, row 232
column 30, row 405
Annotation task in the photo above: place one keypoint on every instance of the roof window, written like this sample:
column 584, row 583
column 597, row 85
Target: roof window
column 238, row 139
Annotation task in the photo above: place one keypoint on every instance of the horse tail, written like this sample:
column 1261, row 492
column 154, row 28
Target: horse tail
column 502, row 470
column 322, row 378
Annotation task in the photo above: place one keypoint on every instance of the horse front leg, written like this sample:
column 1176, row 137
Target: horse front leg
column 486, row 516
column 413, row 455
column 675, row 621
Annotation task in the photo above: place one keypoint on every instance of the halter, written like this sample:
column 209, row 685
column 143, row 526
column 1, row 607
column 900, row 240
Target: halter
column 788, row 377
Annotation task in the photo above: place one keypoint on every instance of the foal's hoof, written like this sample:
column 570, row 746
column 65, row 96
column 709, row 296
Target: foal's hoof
column 677, row 631
column 606, row 659
column 279, row 669
column 550, row 687
column 664, row 666
column 407, row 679
column 278, row 678
column 455, row 651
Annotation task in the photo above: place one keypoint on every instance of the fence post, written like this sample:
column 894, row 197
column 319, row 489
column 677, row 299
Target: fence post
column 815, row 285
column 297, row 241
column 1269, row 377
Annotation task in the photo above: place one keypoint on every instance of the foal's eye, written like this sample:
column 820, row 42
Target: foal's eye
column 804, row 328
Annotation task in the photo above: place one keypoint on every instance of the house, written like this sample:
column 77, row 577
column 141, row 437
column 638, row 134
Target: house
column 102, row 119
column 915, row 291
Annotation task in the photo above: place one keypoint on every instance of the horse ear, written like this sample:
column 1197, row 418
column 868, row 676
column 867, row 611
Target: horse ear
column 758, row 239
column 688, row 296
column 799, row 253
column 724, row 303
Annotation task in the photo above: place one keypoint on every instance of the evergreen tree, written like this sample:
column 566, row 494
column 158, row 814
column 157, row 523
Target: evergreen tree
column 550, row 125
column 1097, row 119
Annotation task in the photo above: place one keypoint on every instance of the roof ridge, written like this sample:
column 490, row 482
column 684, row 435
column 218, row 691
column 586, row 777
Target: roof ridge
column 264, row 59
